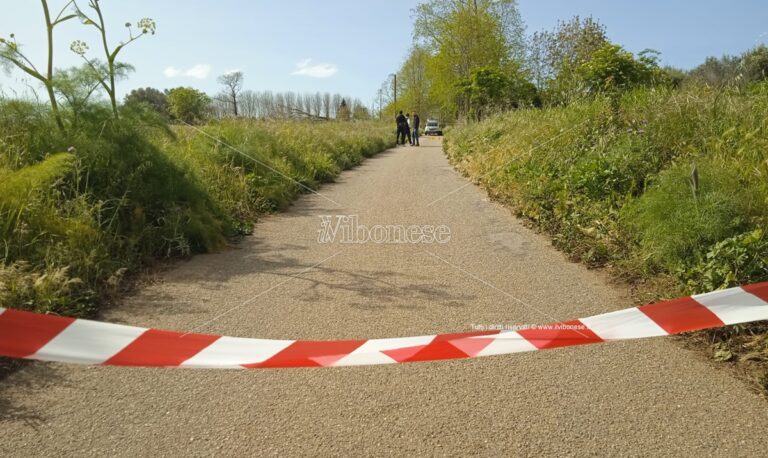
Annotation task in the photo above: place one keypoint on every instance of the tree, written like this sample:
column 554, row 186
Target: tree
column 716, row 72
column 233, row 84
column 613, row 68
column 488, row 89
column 387, row 106
column 10, row 53
column 751, row 66
column 154, row 98
column 112, row 69
column 266, row 104
column 675, row 76
column 361, row 113
column 755, row 63
column 434, row 16
column 466, row 35
column 188, row 105
column 327, row 105
column 414, row 81
column 336, row 100
column 555, row 55
column 571, row 43
column 249, row 104
column 317, row 104
column 343, row 113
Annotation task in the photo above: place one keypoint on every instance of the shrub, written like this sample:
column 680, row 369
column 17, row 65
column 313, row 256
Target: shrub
column 27, row 134
column 737, row 260
column 679, row 216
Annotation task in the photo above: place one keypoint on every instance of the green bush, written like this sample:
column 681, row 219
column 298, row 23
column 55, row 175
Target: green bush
column 677, row 219
column 27, row 134
column 738, row 260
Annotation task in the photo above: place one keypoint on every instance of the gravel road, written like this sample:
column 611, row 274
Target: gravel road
column 648, row 397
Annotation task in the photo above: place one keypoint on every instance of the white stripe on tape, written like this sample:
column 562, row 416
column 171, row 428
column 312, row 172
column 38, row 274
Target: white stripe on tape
column 371, row 351
column 505, row 342
column 623, row 324
column 734, row 305
column 88, row 342
column 233, row 352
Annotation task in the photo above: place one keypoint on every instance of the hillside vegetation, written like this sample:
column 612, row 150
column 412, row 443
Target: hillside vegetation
column 92, row 188
column 668, row 187
column 80, row 209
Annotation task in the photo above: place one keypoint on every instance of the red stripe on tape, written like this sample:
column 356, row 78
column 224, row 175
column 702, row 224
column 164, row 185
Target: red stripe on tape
column 404, row 354
column 156, row 348
column 760, row 290
column 24, row 333
column 310, row 353
column 681, row 315
column 436, row 350
column 563, row 334
column 443, row 346
column 471, row 346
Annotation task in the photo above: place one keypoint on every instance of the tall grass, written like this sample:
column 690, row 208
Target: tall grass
column 256, row 166
column 654, row 189
column 671, row 191
column 79, row 210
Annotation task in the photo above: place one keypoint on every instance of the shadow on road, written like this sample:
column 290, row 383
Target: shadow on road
column 387, row 288
column 36, row 376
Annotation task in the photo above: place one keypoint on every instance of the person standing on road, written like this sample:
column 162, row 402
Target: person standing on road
column 408, row 128
column 415, row 123
column 402, row 126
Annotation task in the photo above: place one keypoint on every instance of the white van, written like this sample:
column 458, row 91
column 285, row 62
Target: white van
column 432, row 128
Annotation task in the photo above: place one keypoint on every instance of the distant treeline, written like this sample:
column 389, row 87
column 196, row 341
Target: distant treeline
column 294, row 105
column 189, row 105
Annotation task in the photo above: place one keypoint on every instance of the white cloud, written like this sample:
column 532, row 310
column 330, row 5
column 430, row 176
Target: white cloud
column 307, row 68
column 171, row 72
column 199, row 71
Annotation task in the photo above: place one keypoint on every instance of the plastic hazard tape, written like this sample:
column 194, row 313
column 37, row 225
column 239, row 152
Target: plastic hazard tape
column 54, row 338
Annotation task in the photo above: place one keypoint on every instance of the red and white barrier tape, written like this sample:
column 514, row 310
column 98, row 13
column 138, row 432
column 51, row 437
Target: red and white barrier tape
column 54, row 338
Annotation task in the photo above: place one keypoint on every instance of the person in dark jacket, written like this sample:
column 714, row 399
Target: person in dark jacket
column 402, row 127
column 415, row 125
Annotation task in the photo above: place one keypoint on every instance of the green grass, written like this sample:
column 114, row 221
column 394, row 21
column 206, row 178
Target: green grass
column 619, row 190
column 253, row 166
column 124, row 194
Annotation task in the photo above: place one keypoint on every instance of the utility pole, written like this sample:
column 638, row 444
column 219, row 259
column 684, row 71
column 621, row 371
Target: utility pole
column 395, row 76
column 380, row 102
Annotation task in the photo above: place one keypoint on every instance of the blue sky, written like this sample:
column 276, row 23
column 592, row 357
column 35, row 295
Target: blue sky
column 350, row 46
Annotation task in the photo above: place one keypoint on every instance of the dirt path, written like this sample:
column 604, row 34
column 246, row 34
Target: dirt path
column 645, row 397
